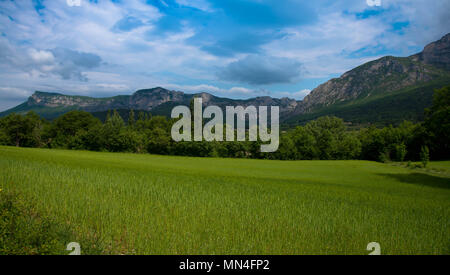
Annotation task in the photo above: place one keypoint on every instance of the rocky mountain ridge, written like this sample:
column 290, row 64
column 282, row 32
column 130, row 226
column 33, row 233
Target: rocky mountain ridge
column 148, row 100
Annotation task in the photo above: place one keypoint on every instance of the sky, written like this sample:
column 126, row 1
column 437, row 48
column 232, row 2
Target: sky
column 230, row 48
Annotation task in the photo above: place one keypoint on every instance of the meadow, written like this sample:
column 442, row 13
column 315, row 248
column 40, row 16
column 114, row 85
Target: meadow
column 150, row 204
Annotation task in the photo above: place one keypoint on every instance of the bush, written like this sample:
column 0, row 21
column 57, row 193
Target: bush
column 68, row 130
column 25, row 231
column 437, row 124
column 22, row 130
column 384, row 157
column 4, row 140
column 400, row 152
column 425, row 156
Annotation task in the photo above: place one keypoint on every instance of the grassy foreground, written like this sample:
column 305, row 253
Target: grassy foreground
column 149, row 204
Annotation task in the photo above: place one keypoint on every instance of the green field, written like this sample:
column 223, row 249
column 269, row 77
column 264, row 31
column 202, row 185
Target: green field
column 148, row 204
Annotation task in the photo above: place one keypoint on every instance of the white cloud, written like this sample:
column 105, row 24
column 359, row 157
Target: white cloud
column 44, row 57
column 296, row 95
column 113, row 87
column 198, row 4
column 241, row 91
column 301, row 94
column 373, row 3
column 321, row 47
column 10, row 93
column 73, row 3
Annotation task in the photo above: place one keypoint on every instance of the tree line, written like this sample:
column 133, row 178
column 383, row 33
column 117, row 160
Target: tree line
column 326, row 138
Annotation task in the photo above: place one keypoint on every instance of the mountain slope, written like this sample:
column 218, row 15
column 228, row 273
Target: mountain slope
column 382, row 110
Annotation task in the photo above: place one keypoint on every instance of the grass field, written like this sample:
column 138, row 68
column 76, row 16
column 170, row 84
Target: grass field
column 149, row 204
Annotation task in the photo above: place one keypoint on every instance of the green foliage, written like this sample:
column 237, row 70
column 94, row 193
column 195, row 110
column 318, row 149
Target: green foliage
column 384, row 157
column 437, row 124
column 390, row 143
column 67, row 130
column 425, row 156
column 22, row 130
column 4, row 139
column 400, row 152
column 131, row 119
column 24, row 231
column 324, row 138
column 112, row 137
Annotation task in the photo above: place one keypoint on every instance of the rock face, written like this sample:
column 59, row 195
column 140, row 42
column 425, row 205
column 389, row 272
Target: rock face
column 141, row 100
column 53, row 100
column 436, row 53
column 384, row 75
column 151, row 98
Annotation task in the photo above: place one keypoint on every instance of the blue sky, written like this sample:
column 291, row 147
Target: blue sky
column 230, row 48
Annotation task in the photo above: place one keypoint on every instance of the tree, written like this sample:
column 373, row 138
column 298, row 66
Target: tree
column 437, row 124
column 22, row 130
column 389, row 143
column 305, row 143
column 349, row 147
column 425, row 156
column 158, row 141
column 4, row 140
column 131, row 119
column 326, row 138
column 286, row 150
column 111, row 133
column 66, row 127
column 400, row 152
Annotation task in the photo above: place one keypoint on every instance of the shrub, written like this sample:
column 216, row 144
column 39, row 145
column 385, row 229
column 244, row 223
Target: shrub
column 25, row 231
column 384, row 157
column 400, row 152
column 4, row 140
column 425, row 156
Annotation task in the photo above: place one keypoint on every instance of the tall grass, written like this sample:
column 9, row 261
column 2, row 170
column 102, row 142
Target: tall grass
column 147, row 204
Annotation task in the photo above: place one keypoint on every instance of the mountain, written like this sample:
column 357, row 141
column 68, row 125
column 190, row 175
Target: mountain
column 384, row 91
column 158, row 101
column 387, row 90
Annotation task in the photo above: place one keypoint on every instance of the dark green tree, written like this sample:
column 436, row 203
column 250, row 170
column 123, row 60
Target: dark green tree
column 425, row 156
column 131, row 119
column 66, row 127
column 437, row 124
column 22, row 130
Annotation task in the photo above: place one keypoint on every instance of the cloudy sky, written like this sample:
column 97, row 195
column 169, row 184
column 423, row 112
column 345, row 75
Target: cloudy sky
column 231, row 48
